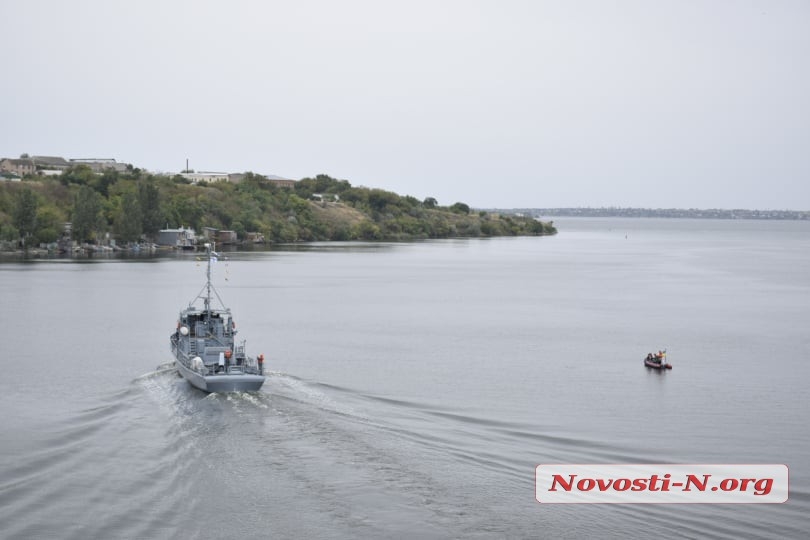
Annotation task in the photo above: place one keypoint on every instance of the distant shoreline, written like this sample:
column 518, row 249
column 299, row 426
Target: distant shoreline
column 664, row 213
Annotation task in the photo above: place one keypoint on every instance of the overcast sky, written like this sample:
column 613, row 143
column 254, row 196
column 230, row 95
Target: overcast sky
column 501, row 103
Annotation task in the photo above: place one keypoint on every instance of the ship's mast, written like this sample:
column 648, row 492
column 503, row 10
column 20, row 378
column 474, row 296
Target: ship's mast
column 209, row 248
column 209, row 291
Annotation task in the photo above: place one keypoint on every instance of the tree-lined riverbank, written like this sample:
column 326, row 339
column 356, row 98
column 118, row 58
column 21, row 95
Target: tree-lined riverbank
column 133, row 206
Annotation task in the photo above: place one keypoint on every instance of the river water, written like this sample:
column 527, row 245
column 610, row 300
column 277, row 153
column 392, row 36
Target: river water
column 413, row 387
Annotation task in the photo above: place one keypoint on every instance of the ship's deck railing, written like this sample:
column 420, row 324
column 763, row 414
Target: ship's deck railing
column 236, row 369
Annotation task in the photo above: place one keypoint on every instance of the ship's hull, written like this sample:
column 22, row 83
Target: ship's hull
column 657, row 365
column 232, row 381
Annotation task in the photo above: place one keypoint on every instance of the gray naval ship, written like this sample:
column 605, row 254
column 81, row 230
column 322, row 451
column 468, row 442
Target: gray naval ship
column 204, row 347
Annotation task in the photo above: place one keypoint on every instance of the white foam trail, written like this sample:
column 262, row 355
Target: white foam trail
column 318, row 398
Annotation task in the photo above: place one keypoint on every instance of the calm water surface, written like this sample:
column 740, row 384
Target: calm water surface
column 413, row 387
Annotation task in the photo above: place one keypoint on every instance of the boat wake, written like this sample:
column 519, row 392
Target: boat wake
column 356, row 464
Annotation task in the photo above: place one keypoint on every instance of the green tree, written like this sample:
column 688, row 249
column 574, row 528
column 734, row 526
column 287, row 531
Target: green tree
column 128, row 218
column 24, row 213
column 86, row 214
column 151, row 216
column 430, row 203
column 9, row 233
column 366, row 230
column 239, row 228
column 356, row 197
column 185, row 211
column 379, row 199
column 78, row 174
column 49, row 223
column 460, row 208
column 102, row 182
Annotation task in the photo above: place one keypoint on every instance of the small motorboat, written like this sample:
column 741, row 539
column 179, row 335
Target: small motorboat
column 657, row 361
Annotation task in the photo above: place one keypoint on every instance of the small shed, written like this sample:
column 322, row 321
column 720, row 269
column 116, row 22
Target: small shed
column 181, row 238
column 226, row 237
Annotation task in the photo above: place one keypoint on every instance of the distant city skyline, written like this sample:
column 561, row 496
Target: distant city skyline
column 545, row 104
